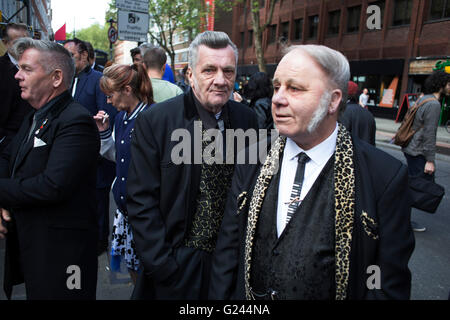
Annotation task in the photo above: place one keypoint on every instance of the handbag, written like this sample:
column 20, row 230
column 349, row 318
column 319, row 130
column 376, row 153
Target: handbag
column 425, row 193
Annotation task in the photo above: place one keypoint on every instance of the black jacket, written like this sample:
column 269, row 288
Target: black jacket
column 359, row 122
column 51, row 197
column 13, row 108
column 161, row 194
column 385, row 199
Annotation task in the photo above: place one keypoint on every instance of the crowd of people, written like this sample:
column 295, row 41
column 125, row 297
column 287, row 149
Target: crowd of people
column 305, row 222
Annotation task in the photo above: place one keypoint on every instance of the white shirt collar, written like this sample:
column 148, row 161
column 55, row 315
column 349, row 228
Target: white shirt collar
column 14, row 61
column 319, row 154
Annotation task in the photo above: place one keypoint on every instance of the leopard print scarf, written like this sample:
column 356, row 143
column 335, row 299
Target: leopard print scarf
column 344, row 178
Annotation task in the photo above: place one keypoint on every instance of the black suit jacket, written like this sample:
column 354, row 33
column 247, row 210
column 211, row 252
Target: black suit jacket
column 89, row 95
column 359, row 122
column 381, row 190
column 51, row 197
column 13, row 108
column 161, row 194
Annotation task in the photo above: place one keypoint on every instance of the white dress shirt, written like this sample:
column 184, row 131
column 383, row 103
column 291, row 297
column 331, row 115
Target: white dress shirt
column 319, row 156
column 14, row 61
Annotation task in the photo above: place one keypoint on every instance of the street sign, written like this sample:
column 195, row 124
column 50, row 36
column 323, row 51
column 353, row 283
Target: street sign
column 133, row 26
column 133, row 5
column 112, row 34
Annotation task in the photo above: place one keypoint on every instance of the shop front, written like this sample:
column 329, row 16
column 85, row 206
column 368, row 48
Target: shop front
column 382, row 78
column 419, row 69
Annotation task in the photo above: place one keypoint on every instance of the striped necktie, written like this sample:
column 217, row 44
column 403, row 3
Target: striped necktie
column 297, row 187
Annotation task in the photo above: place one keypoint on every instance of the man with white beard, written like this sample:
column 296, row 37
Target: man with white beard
column 333, row 222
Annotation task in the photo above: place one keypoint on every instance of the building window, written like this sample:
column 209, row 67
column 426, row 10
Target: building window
column 380, row 4
column 250, row 38
column 354, row 14
column 402, row 12
column 242, row 40
column 333, row 21
column 313, row 26
column 298, row 29
column 285, row 31
column 272, row 33
column 262, row 3
column 440, row 9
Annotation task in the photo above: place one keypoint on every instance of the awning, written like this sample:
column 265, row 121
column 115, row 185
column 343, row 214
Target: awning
column 377, row 67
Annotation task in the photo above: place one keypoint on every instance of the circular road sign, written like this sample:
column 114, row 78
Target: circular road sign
column 112, row 34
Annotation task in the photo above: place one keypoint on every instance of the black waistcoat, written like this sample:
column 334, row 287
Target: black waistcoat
column 300, row 264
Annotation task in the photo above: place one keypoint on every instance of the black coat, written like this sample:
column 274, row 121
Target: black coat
column 13, row 108
column 51, row 197
column 89, row 95
column 385, row 199
column 359, row 122
column 161, row 195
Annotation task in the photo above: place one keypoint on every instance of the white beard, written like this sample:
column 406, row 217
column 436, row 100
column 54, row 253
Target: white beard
column 320, row 113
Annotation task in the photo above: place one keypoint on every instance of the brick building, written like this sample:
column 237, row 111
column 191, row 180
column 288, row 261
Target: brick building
column 413, row 36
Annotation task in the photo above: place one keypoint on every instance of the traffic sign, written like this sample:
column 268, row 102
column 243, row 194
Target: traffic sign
column 133, row 26
column 112, row 34
column 133, row 5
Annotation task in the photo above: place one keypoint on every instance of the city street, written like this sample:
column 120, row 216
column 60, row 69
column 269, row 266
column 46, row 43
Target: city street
column 430, row 262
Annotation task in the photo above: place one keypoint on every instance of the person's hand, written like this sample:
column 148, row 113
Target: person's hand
column 429, row 167
column 4, row 216
column 237, row 97
column 102, row 120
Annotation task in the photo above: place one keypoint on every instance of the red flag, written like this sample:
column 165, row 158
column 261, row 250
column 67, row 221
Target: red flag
column 61, row 33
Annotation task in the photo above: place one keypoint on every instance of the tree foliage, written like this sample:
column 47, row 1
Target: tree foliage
column 97, row 35
column 171, row 17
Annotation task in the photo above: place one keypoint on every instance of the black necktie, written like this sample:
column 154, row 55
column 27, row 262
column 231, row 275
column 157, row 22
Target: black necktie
column 297, row 187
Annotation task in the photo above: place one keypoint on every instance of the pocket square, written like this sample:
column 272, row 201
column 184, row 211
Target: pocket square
column 38, row 142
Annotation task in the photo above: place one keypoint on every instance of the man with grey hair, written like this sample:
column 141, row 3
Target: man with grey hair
column 175, row 210
column 47, row 182
column 333, row 222
column 155, row 65
column 12, row 107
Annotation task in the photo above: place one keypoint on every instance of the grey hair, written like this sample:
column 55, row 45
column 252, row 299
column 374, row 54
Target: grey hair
column 210, row 39
column 333, row 63
column 54, row 56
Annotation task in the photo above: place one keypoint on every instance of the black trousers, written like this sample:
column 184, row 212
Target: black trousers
column 416, row 166
column 102, row 198
column 190, row 282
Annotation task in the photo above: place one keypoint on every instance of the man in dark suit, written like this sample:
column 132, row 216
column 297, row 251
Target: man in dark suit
column 358, row 121
column 47, row 183
column 86, row 91
column 175, row 209
column 12, row 107
column 91, row 58
column 325, row 216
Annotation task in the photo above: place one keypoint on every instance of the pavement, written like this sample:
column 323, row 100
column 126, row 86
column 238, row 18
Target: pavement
column 386, row 129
